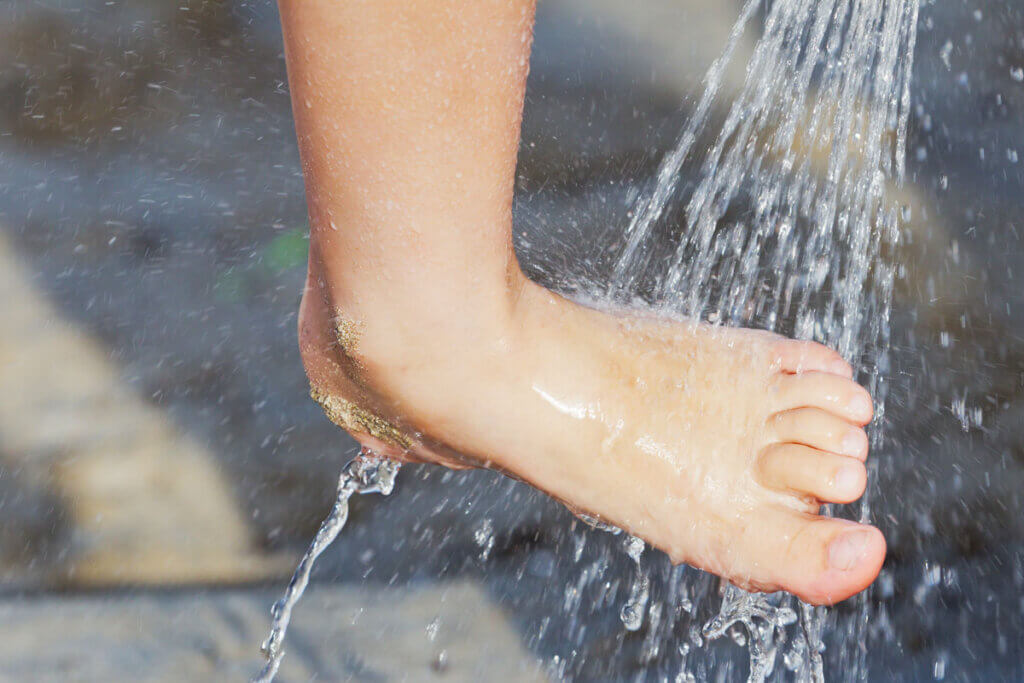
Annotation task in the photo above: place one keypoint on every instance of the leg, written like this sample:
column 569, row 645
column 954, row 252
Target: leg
column 422, row 337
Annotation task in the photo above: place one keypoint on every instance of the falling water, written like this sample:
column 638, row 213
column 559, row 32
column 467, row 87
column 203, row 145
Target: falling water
column 366, row 473
column 632, row 613
column 790, row 227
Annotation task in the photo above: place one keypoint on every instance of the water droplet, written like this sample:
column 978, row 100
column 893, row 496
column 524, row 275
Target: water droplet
column 632, row 616
column 945, row 52
column 432, row 628
column 484, row 537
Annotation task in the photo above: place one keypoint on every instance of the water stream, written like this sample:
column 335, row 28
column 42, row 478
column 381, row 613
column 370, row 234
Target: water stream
column 366, row 473
column 789, row 227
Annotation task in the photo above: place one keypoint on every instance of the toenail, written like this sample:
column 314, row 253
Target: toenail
column 845, row 552
column 840, row 367
column 846, row 478
column 861, row 404
column 853, row 442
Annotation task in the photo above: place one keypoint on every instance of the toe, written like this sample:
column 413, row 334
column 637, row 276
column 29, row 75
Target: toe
column 829, row 392
column 807, row 471
column 821, row 560
column 822, row 430
column 806, row 356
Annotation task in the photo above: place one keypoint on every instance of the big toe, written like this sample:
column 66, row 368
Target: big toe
column 821, row 560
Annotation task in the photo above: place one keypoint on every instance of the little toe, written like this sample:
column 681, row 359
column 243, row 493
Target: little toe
column 819, row 559
column 806, row 356
column 822, row 430
column 807, row 471
column 835, row 394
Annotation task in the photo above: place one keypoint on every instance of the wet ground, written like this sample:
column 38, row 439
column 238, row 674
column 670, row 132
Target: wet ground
column 151, row 191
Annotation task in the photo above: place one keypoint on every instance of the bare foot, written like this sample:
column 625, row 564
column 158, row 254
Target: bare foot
column 715, row 445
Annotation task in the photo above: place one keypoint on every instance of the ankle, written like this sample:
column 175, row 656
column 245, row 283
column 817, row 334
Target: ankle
column 387, row 326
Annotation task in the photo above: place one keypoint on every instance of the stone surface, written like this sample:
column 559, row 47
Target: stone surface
column 140, row 502
column 446, row 632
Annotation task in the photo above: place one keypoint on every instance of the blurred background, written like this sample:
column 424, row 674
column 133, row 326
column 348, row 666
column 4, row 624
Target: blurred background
column 161, row 465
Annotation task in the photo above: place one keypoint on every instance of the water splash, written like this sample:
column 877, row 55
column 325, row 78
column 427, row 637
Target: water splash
column 366, row 473
column 790, row 226
column 765, row 621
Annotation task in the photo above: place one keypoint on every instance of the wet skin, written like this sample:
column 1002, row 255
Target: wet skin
column 715, row 445
column 421, row 336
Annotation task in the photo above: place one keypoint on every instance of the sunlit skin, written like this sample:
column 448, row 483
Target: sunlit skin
column 715, row 445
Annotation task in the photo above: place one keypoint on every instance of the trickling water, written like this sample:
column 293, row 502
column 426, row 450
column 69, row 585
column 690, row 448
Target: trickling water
column 632, row 613
column 804, row 158
column 366, row 473
column 788, row 228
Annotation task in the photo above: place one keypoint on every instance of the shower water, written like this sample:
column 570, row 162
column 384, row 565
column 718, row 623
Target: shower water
column 789, row 228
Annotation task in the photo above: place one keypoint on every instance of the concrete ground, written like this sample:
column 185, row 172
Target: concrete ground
column 443, row 633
